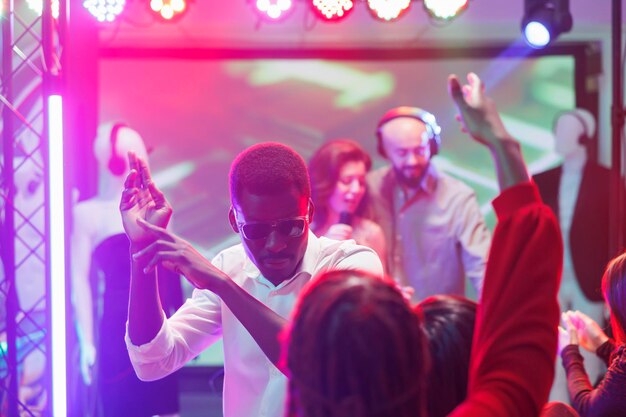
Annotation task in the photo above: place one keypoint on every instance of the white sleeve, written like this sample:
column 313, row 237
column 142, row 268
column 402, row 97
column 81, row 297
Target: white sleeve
column 195, row 326
column 363, row 258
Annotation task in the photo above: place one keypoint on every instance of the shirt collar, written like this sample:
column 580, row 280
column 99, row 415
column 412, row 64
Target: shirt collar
column 307, row 265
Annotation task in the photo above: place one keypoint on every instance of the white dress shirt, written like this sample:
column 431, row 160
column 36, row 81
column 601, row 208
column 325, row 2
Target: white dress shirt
column 253, row 386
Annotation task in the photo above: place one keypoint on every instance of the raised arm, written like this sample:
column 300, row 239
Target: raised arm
column 512, row 362
column 178, row 255
column 481, row 120
column 141, row 199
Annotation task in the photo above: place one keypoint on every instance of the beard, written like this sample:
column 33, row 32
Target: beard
column 409, row 180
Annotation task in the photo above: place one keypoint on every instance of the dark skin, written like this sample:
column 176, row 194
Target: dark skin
column 146, row 212
column 276, row 256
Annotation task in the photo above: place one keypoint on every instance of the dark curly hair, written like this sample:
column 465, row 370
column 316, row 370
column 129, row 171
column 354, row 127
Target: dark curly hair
column 355, row 349
column 268, row 168
column 324, row 168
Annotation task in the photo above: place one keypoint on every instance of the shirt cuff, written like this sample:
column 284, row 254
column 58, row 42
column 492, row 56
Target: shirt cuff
column 569, row 354
column 153, row 348
column 516, row 197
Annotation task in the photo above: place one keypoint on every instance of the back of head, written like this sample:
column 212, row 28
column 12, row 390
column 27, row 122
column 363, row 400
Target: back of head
column 325, row 167
column 268, row 168
column 448, row 323
column 614, row 289
column 111, row 147
column 355, row 349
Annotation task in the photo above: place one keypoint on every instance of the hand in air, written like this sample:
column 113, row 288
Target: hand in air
column 141, row 199
column 477, row 112
column 568, row 335
column 178, row 255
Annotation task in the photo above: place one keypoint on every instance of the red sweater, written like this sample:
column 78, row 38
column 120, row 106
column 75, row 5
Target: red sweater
column 514, row 348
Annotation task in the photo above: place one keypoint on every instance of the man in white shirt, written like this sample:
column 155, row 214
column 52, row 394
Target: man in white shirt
column 245, row 294
column 435, row 232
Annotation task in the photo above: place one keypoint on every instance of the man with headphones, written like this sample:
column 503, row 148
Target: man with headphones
column 435, row 231
column 578, row 193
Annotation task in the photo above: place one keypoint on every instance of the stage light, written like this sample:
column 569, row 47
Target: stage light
column 445, row 9
column 105, row 10
column 544, row 21
column 169, row 9
column 58, row 284
column 332, row 10
column 37, row 7
column 273, row 10
column 388, row 9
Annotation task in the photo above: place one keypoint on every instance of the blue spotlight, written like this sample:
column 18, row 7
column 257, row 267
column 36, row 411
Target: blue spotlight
column 536, row 34
column 544, row 21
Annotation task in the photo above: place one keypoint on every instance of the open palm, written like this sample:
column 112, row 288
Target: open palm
column 142, row 199
column 477, row 112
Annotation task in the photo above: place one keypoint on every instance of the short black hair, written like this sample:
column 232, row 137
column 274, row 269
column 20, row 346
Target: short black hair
column 268, row 168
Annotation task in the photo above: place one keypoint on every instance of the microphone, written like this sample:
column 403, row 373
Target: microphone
column 345, row 218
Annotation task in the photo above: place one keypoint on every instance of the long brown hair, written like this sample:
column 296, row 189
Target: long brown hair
column 614, row 289
column 324, row 168
column 355, row 349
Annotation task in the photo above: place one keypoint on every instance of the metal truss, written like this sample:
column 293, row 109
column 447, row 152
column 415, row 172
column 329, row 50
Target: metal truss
column 30, row 60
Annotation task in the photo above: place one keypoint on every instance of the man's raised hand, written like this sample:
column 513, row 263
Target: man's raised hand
column 142, row 199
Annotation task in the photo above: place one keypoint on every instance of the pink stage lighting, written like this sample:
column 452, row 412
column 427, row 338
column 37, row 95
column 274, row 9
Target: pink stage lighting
column 168, row 9
column 273, row 10
column 388, row 9
column 332, row 10
column 105, row 10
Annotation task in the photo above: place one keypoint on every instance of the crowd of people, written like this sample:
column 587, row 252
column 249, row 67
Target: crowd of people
column 346, row 295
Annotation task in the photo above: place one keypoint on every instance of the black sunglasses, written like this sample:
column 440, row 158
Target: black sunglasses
column 291, row 227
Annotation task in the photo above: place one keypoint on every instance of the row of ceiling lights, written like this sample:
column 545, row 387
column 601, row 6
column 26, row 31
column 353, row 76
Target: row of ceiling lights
column 277, row 10
column 543, row 21
column 333, row 10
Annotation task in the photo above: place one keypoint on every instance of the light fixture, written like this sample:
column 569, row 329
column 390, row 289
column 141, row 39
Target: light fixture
column 544, row 21
column 168, row 9
column 332, row 10
column 273, row 10
column 37, row 7
column 388, row 9
column 105, row 10
column 445, row 9
column 58, row 284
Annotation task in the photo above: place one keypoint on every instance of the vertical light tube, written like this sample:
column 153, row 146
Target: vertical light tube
column 57, row 255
